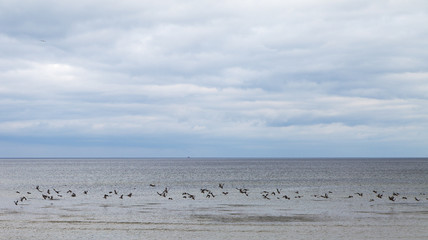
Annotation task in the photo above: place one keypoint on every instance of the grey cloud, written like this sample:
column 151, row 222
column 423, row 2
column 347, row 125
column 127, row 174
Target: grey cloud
column 274, row 71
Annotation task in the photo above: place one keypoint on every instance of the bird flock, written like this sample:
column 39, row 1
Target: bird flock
column 54, row 194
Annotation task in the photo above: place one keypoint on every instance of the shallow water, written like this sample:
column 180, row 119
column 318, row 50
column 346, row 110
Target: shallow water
column 148, row 215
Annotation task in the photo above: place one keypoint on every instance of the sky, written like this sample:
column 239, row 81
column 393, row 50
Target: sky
column 297, row 78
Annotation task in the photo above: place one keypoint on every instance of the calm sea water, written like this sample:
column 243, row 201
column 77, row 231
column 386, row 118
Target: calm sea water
column 324, row 199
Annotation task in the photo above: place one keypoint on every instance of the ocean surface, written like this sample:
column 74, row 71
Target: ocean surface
column 212, row 198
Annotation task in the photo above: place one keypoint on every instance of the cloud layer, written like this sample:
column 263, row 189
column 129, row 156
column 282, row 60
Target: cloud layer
column 213, row 78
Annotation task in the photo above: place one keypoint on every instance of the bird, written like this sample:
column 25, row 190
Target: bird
column 417, row 199
column 105, row 196
column 324, row 196
column 73, row 195
column 243, row 191
column 130, row 195
column 85, row 192
column 265, row 196
column 286, row 197
column 221, row 185
column 16, row 202
column 392, row 198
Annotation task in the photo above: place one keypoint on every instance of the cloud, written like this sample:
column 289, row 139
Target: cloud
column 220, row 74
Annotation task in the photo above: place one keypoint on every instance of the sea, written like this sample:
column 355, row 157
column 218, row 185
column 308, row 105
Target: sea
column 214, row 198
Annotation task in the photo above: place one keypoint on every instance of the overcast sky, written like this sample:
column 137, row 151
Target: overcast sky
column 302, row 78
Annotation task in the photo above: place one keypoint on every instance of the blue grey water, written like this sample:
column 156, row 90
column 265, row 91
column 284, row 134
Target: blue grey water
column 324, row 200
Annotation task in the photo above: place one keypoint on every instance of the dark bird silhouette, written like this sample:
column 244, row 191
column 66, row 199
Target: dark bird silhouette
column 188, row 195
column 221, row 185
column 243, row 191
column 85, row 192
column 417, row 199
column 73, row 195
column 130, row 195
column 265, row 196
column 152, row 185
column 225, row 193
column 121, row 196
column 16, row 202
column 105, row 196
column 392, row 198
